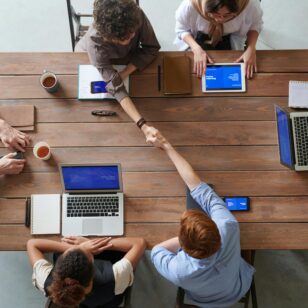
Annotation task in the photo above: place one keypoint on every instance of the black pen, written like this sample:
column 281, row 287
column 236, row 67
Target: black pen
column 158, row 77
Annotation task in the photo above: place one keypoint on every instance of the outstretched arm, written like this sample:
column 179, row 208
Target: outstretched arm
column 185, row 170
column 37, row 247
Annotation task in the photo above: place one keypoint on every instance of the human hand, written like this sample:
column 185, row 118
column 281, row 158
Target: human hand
column 74, row 240
column 250, row 59
column 200, row 60
column 160, row 141
column 13, row 138
column 149, row 132
column 9, row 165
column 96, row 246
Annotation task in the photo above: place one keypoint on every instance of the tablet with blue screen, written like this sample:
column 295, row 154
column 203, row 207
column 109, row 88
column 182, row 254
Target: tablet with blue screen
column 224, row 77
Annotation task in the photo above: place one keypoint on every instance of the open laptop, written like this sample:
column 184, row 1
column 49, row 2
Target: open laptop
column 292, row 129
column 92, row 203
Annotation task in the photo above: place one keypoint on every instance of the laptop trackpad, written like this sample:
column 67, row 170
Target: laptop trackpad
column 92, row 226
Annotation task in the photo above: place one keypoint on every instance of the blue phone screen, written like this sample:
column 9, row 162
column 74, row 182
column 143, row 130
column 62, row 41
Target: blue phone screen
column 237, row 203
column 98, row 87
column 223, row 77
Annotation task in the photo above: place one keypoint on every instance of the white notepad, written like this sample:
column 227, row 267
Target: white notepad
column 89, row 73
column 45, row 214
column 298, row 94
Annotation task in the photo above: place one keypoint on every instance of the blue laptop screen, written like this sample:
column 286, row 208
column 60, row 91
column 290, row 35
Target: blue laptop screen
column 91, row 177
column 223, row 77
column 284, row 138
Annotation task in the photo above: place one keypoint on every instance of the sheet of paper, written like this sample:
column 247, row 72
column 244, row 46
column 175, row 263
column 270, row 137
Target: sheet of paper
column 89, row 73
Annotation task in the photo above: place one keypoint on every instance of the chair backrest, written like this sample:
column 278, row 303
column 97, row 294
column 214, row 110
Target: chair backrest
column 79, row 31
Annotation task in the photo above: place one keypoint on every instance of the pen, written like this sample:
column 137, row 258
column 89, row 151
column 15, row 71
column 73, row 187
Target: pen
column 158, row 77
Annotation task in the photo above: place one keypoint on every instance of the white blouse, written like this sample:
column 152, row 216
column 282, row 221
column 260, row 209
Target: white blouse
column 188, row 20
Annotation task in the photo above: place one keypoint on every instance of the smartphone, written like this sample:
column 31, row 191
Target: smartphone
column 237, row 203
column 19, row 155
column 98, row 87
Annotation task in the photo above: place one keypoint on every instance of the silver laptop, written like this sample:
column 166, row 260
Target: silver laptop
column 292, row 129
column 92, row 203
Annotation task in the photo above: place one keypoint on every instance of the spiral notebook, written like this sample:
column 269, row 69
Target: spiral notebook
column 45, row 214
column 298, row 94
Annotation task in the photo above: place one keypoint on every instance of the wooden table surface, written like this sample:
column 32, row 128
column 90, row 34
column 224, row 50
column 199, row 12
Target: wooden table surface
column 230, row 139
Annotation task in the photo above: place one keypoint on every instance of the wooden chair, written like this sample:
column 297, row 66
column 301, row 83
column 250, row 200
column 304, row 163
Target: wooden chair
column 248, row 256
column 80, row 29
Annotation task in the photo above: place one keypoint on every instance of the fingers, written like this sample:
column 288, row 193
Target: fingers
column 239, row 59
column 108, row 246
column 69, row 240
column 210, row 59
column 10, row 155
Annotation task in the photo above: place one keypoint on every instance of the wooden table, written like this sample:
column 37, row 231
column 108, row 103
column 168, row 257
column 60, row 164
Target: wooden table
column 230, row 139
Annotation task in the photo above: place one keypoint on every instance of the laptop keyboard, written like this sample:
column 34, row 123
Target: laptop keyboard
column 92, row 206
column 301, row 134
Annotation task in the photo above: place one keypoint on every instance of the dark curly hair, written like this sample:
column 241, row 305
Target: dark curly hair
column 116, row 19
column 73, row 272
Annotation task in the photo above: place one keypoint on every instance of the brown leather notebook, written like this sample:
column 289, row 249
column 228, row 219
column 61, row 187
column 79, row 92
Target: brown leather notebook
column 177, row 76
column 20, row 117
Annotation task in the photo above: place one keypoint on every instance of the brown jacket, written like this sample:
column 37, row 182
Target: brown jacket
column 141, row 51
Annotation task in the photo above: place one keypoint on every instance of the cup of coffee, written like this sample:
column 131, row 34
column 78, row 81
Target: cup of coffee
column 42, row 150
column 49, row 81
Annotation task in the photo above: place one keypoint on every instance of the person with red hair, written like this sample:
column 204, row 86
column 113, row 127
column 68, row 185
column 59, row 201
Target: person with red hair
column 205, row 258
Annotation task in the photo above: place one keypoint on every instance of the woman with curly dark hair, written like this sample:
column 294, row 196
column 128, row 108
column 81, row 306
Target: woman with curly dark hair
column 121, row 34
column 86, row 273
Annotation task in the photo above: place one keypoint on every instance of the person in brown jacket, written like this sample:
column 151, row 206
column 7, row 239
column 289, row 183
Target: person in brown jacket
column 121, row 34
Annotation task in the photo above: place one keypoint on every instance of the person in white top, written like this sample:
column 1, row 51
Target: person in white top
column 220, row 24
column 81, row 274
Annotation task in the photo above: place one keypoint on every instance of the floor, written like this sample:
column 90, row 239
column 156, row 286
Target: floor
column 282, row 276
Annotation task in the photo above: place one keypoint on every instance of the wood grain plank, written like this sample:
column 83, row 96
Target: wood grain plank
column 163, row 109
column 169, row 184
column 268, row 61
column 12, row 211
column 23, row 87
column 162, row 210
column 67, row 62
column 253, row 235
column 221, row 158
column 178, row 133
column 271, row 84
column 26, row 87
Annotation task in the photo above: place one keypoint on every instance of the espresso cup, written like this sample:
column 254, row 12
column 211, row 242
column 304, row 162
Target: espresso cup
column 49, row 81
column 42, row 150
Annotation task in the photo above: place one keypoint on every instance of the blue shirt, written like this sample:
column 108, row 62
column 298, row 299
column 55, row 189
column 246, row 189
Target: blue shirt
column 219, row 280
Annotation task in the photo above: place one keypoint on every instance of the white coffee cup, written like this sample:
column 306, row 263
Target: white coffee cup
column 42, row 150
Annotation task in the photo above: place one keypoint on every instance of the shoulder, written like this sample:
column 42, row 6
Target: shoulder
column 186, row 9
column 123, row 275
column 252, row 8
column 41, row 270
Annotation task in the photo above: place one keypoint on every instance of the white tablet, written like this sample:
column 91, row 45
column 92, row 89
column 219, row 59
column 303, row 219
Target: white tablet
column 224, row 77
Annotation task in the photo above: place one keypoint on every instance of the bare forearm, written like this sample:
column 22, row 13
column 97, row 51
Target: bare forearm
column 252, row 38
column 185, row 170
column 130, row 108
column 37, row 247
column 133, row 246
column 190, row 41
column 172, row 244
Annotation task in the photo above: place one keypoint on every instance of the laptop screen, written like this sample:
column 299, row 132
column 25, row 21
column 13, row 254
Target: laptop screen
column 284, row 138
column 223, row 77
column 77, row 178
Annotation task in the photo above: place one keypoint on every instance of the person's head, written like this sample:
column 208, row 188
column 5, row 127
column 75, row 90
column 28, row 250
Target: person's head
column 222, row 10
column 116, row 20
column 72, row 278
column 199, row 236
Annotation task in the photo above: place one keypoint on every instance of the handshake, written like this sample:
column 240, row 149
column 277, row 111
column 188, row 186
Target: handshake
column 154, row 137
